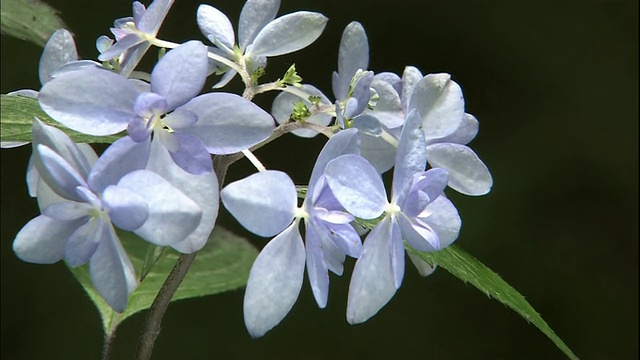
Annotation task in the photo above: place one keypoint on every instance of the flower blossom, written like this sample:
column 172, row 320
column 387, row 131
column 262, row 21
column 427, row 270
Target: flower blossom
column 260, row 33
column 82, row 198
column 447, row 127
column 134, row 35
column 418, row 213
column 185, row 128
column 266, row 204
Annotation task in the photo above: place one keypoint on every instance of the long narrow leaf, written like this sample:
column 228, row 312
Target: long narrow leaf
column 468, row 269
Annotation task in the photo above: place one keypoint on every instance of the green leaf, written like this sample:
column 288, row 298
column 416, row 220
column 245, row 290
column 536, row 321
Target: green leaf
column 468, row 269
column 222, row 265
column 16, row 117
column 30, row 20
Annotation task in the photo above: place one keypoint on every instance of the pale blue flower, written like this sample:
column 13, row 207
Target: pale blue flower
column 266, row 204
column 82, row 199
column 185, row 129
column 418, row 212
column 99, row 102
column 133, row 34
column 260, row 33
column 447, row 127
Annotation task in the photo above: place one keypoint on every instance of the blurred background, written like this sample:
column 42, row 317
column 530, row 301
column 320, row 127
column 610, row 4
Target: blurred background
column 554, row 85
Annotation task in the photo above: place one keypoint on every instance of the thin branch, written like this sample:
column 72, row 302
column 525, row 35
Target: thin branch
column 151, row 327
column 107, row 345
column 110, row 336
column 222, row 162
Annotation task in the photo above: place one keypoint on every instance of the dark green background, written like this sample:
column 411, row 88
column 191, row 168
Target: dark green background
column 554, row 85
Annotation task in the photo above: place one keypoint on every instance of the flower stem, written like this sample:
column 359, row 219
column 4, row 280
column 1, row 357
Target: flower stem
column 109, row 337
column 106, row 347
column 254, row 160
column 151, row 327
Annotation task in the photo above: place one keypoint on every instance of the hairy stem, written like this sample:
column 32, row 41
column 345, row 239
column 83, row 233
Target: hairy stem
column 109, row 337
column 106, row 347
column 151, row 327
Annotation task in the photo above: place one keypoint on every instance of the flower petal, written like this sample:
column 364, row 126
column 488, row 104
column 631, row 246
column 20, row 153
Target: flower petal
column 466, row 132
column 378, row 152
column 391, row 79
column 42, row 240
column 423, row 267
column 333, row 217
column 46, row 196
column 342, row 143
column 440, row 103
column 396, row 248
column 388, row 109
column 202, row 189
column 90, row 101
column 180, row 119
column 59, row 50
column 372, row 282
column 357, row 185
column 127, row 210
column 191, row 155
column 80, row 156
column 254, row 16
column 410, row 77
column 151, row 19
column 264, row 203
column 411, row 157
column 149, row 104
column 172, row 215
column 111, row 271
column 367, row 125
column 345, row 238
column 443, row 217
column 227, row 123
column 68, row 210
column 58, row 173
column 121, row 158
column 225, row 79
column 467, row 173
column 122, row 45
column 181, row 73
column 274, row 282
column 418, row 234
column 362, row 93
column 32, row 177
column 287, row 34
column 425, row 188
column 82, row 244
column 132, row 57
column 215, row 25
column 316, row 267
column 352, row 55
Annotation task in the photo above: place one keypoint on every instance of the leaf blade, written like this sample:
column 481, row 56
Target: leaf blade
column 32, row 21
column 16, row 118
column 222, row 265
column 468, row 269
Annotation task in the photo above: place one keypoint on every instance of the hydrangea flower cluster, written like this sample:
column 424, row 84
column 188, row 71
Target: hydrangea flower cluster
column 158, row 180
